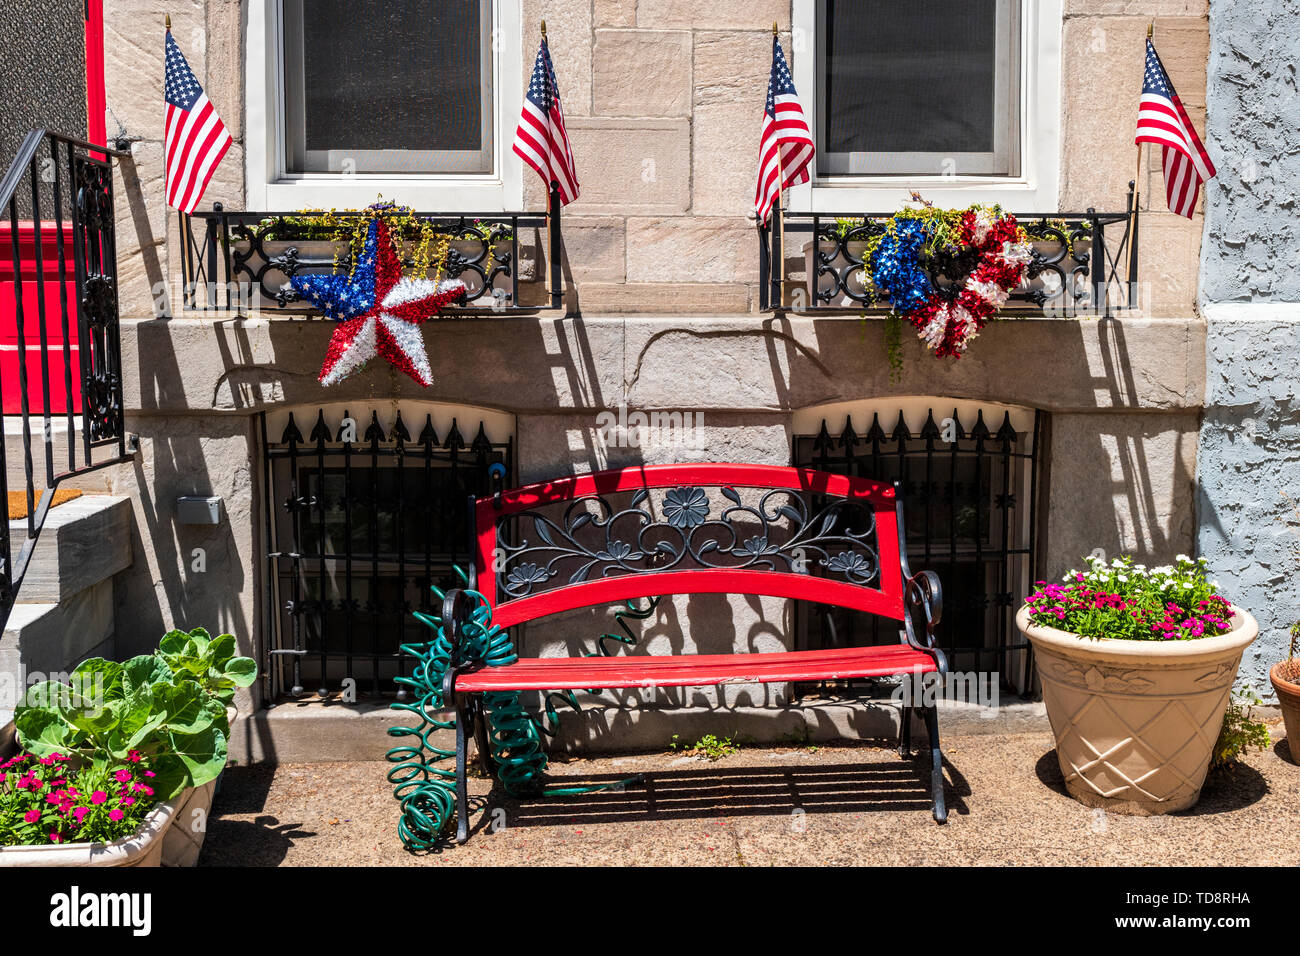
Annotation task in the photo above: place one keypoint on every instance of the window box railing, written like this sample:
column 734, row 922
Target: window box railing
column 1083, row 263
column 243, row 261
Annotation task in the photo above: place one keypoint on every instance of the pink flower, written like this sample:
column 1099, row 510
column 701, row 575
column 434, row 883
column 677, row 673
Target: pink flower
column 55, row 838
column 116, row 815
column 80, row 813
column 122, row 776
column 98, row 797
column 31, row 816
column 127, row 801
column 150, row 773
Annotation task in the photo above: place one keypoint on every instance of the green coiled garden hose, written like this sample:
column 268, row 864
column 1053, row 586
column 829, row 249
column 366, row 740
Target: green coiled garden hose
column 426, row 792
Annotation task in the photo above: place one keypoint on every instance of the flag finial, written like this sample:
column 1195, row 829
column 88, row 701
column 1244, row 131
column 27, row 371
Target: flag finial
column 774, row 29
column 168, row 20
column 1151, row 27
column 543, row 29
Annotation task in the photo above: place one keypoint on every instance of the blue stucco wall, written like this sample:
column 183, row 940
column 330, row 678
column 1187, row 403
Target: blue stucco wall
column 1249, row 449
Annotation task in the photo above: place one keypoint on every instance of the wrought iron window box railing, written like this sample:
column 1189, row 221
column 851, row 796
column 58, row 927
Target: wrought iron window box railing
column 1083, row 263
column 242, row 261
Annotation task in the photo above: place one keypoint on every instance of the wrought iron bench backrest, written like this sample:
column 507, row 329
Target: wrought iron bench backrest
column 689, row 529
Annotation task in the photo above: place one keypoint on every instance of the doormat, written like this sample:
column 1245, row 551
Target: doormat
column 18, row 500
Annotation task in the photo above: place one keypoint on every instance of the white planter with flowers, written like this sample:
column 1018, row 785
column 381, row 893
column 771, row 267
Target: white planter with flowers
column 1136, row 668
column 118, row 767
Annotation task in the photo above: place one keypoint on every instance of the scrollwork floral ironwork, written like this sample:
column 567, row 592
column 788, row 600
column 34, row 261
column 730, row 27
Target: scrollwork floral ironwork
column 780, row 532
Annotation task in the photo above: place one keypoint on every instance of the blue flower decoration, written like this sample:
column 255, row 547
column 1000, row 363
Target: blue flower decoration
column 340, row 296
column 895, row 270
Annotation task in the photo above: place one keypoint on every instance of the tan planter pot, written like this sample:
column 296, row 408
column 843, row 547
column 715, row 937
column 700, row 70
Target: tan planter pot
column 171, row 835
column 1136, row 721
column 1285, row 676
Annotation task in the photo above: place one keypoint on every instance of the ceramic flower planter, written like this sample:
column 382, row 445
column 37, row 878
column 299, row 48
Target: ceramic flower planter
column 1136, row 721
column 171, row 835
column 1285, row 676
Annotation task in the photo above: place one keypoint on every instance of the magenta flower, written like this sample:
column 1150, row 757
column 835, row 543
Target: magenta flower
column 31, row 816
column 98, row 797
column 116, row 815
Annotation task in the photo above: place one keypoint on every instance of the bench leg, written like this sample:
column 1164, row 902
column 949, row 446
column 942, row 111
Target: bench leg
column 936, row 764
column 481, row 742
column 463, row 718
column 905, row 732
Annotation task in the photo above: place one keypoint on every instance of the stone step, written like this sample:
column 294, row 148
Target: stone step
column 84, row 542
column 46, row 641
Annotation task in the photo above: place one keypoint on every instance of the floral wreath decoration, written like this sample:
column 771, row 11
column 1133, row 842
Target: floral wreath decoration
column 948, row 319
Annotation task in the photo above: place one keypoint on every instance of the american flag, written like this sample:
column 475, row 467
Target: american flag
column 1162, row 119
column 786, row 147
column 541, row 140
column 196, row 139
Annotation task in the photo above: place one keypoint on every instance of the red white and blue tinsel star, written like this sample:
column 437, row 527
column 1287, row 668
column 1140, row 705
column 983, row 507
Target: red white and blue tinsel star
column 379, row 310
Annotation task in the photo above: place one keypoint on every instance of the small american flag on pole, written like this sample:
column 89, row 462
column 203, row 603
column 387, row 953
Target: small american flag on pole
column 786, row 147
column 541, row 140
column 196, row 139
column 1162, row 119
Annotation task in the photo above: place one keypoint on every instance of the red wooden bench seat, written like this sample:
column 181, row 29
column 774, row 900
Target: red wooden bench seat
column 702, row 670
column 650, row 531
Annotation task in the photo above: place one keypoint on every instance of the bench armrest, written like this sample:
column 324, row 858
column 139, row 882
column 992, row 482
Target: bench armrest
column 455, row 614
column 924, row 596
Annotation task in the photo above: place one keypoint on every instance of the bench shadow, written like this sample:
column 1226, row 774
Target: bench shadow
column 1224, row 790
column 706, row 791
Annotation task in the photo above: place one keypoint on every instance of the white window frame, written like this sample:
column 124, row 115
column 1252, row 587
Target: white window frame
column 1035, row 189
column 269, row 187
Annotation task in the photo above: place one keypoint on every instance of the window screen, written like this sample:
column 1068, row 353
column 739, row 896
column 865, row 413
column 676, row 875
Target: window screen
column 378, row 87
column 918, row 87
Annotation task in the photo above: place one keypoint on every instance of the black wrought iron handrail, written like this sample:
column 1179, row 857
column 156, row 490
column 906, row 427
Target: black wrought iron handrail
column 58, row 194
column 241, row 261
column 1077, row 261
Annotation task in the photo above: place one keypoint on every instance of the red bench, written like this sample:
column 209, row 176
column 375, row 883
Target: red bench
column 691, row 529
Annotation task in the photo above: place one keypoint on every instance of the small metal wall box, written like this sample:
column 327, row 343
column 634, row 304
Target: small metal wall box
column 198, row 509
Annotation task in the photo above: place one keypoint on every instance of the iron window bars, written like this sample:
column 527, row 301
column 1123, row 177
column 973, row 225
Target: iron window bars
column 970, row 497
column 61, row 277
column 243, row 260
column 360, row 521
column 1077, row 261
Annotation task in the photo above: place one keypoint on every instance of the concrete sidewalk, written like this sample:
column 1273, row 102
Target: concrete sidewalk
column 861, row 804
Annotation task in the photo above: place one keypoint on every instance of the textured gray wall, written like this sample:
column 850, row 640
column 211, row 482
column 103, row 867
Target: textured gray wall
column 1249, row 450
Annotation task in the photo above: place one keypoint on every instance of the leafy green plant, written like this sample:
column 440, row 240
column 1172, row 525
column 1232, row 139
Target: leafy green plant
column 169, row 707
column 1240, row 731
column 711, row 747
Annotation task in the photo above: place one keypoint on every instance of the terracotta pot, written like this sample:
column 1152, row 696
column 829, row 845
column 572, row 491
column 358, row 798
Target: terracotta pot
column 1285, row 676
column 1136, row 721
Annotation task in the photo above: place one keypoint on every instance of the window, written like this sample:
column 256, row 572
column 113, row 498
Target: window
column 969, row 486
column 376, row 87
column 366, row 509
column 918, row 86
column 958, row 101
column 347, row 99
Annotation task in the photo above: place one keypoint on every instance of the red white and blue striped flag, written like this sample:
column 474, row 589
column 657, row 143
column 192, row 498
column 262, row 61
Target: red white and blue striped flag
column 195, row 139
column 786, row 147
column 1163, row 120
column 541, row 140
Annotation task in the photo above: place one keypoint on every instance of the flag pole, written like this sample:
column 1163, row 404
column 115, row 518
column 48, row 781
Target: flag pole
column 1137, row 182
column 780, row 215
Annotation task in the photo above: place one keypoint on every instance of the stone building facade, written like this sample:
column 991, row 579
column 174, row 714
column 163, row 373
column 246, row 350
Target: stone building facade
column 663, row 100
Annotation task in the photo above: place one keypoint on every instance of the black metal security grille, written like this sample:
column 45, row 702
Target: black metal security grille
column 360, row 522
column 969, row 506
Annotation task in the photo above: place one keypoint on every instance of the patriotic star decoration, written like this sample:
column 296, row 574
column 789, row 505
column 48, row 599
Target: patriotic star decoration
column 379, row 310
